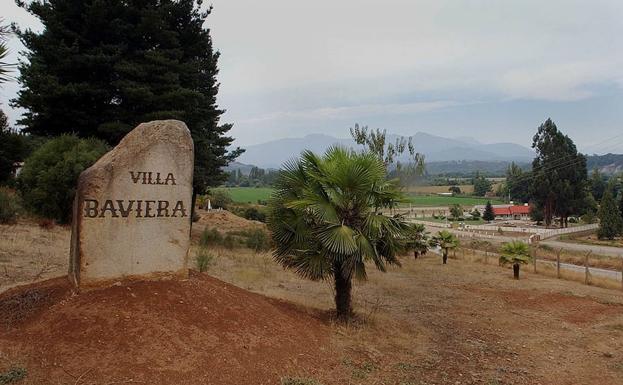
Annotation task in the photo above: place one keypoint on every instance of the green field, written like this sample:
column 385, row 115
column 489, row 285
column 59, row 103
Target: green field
column 435, row 200
column 247, row 194
column 253, row 194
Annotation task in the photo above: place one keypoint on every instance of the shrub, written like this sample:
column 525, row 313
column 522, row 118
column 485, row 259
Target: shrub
column 210, row 237
column 8, row 207
column 229, row 241
column 204, row 260
column 258, row 240
column 47, row 182
column 220, row 199
column 254, row 214
column 12, row 375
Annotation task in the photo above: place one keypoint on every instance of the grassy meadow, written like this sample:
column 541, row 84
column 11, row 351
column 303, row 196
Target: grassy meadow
column 247, row 194
column 253, row 194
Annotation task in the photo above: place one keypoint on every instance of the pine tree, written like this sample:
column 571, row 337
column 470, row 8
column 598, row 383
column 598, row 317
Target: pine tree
column 100, row 67
column 610, row 221
column 488, row 214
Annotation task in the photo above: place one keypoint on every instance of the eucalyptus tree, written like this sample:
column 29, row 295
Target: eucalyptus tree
column 326, row 220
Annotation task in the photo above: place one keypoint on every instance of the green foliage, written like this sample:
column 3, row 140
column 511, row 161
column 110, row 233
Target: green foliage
column 375, row 142
column 8, row 207
column 517, row 183
column 610, row 221
column 475, row 214
column 481, row 185
column 220, row 199
column 456, row 211
column 47, row 183
column 13, row 149
column 98, row 68
column 326, row 220
column 5, row 68
column 13, row 375
column 229, row 242
column 446, row 241
column 418, row 239
column 455, row 190
column 488, row 214
column 253, row 214
column 258, row 240
column 210, row 237
column 203, row 259
column 597, row 184
column 559, row 183
column 515, row 252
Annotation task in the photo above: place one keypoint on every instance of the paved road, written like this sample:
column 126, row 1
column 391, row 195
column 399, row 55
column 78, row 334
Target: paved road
column 600, row 250
column 594, row 271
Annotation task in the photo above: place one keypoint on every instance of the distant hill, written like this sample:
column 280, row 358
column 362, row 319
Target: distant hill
column 436, row 149
column 607, row 164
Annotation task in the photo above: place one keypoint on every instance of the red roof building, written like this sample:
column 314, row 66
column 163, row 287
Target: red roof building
column 512, row 212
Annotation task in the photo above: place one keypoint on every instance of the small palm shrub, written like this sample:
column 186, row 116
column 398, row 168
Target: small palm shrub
column 418, row 240
column 210, row 237
column 516, row 253
column 446, row 241
column 326, row 220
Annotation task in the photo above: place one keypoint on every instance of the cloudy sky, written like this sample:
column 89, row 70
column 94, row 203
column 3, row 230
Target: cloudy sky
column 493, row 70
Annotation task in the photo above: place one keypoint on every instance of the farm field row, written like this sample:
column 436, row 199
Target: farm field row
column 253, row 194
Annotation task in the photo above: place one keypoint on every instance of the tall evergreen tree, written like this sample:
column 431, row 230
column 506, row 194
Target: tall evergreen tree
column 610, row 221
column 100, row 67
column 488, row 215
column 559, row 174
column 517, row 183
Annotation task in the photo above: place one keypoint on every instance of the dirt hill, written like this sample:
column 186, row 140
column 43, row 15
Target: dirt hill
column 197, row 331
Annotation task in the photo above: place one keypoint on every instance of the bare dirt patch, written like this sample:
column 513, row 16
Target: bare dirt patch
column 201, row 330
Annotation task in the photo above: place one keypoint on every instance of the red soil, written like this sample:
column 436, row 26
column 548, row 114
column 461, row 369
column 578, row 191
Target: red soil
column 196, row 331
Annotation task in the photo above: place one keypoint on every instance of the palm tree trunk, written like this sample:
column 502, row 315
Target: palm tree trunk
column 516, row 270
column 415, row 254
column 343, row 286
column 445, row 256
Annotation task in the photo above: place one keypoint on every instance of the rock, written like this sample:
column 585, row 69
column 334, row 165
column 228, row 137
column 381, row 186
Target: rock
column 132, row 211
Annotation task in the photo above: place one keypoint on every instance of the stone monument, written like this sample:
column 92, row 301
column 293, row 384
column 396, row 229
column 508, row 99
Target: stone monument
column 132, row 211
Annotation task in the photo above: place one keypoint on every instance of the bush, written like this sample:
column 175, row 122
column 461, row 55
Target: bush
column 220, row 199
column 229, row 241
column 254, row 214
column 257, row 240
column 204, row 260
column 47, row 183
column 210, row 237
column 8, row 207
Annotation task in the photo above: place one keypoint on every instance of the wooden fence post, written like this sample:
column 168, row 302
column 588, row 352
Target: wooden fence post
column 534, row 255
column 558, row 263
column 586, row 275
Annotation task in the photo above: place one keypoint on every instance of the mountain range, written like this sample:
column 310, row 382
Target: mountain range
column 435, row 148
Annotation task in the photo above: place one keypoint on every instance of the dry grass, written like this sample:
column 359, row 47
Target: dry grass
column 30, row 253
column 467, row 322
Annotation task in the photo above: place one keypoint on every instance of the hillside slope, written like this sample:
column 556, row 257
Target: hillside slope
column 200, row 330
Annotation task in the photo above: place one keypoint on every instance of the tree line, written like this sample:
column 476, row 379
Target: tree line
column 98, row 69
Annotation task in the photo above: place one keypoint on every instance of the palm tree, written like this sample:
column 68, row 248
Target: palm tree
column 517, row 253
column 4, row 51
column 418, row 239
column 446, row 241
column 326, row 221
